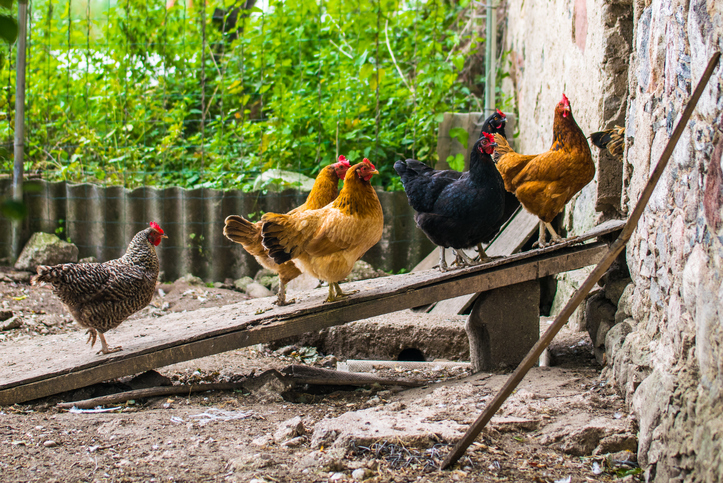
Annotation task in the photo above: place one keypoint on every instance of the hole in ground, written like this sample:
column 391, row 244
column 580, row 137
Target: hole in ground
column 411, row 354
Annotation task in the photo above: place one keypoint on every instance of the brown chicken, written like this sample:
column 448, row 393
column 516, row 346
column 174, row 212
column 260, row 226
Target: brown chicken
column 102, row 295
column 242, row 231
column 611, row 139
column 544, row 183
column 326, row 242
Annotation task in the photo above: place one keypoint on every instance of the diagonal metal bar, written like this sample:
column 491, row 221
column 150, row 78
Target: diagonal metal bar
column 615, row 249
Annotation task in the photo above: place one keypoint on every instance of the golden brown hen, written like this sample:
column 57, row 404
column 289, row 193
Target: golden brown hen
column 544, row 183
column 240, row 230
column 326, row 242
column 102, row 295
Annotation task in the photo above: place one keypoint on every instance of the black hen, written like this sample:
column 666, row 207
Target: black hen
column 495, row 124
column 457, row 210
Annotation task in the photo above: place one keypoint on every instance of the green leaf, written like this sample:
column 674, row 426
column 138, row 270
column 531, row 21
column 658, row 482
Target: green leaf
column 7, row 4
column 460, row 134
column 365, row 71
column 456, row 162
column 8, row 28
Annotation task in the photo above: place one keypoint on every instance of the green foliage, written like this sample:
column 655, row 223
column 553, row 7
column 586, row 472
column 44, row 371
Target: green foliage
column 456, row 162
column 134, row 94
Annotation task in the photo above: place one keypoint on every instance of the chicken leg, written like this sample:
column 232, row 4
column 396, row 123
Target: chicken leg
column 442, row 260
column 462, row 259
column 335, row 292
column 281, row 295
column 541, row 237
column 93, row 335
column 104, row 346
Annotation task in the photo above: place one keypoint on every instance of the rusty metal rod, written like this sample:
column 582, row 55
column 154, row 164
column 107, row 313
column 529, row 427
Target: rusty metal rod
column 589, row 283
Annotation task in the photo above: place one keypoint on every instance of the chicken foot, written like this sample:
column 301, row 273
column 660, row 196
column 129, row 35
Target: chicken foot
column 442, row 260
column 462, row 260
column 93, row 335
column 335, row 292
column 541, row 237
column 281, row 296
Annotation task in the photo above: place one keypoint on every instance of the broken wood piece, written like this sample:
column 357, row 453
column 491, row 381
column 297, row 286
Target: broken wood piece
column 327, row 377
column 357, row 365
column 150, row 392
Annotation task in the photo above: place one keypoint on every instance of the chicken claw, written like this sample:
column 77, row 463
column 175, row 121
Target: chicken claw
column 335, row 292
column 281, row 296
column 463, row 260
column 104, row 346
column 541, row 237
column 442, row 260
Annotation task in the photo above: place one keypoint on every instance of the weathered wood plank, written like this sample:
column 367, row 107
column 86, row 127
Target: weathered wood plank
column 521, row 227
column 55, row 364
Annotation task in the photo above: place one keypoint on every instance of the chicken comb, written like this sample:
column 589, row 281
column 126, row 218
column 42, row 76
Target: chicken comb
column 489, row 137
column 365, row 160
column 565, row 100
column 155, row 226
column 343, row 161
column 501, row 113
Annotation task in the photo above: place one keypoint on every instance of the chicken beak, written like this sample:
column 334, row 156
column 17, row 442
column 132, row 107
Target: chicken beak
column 493, row 145
column 374, row 172
column 164, row 236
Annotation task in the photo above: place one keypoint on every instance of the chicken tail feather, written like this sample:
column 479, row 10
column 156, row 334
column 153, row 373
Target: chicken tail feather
column 46, row 274
column 276, row 238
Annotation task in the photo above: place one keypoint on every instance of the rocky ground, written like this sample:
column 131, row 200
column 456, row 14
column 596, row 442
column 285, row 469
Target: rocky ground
column 563, row 424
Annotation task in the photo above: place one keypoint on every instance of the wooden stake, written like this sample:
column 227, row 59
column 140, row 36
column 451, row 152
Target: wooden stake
column 615, row 249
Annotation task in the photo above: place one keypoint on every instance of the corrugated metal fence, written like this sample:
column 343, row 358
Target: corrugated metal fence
column 102, row 220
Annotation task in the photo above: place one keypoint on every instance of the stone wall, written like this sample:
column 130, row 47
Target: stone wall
column 670, row 364
column 665, row 353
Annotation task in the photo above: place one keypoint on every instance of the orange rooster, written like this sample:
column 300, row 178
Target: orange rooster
column 544, row 183
column 240, row 230
column 326, row 242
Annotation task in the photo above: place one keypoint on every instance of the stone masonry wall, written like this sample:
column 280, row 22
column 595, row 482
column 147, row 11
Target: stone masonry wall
column 665, row 353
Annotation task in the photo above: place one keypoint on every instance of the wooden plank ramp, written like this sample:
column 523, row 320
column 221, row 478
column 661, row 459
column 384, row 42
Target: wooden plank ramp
column 50, row 365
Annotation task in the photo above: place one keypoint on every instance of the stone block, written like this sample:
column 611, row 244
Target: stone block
column 503, row 326
column 45, row 249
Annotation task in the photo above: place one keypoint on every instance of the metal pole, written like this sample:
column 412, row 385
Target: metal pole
column 19, row 117
column 490, row 57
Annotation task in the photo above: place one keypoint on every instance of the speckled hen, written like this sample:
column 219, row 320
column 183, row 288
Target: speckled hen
column 102, row 295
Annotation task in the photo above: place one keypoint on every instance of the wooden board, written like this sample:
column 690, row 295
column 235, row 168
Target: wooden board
column 49, row 365
column 512, row 237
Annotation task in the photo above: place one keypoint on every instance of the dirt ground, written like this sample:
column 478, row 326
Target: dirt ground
column 564, row 424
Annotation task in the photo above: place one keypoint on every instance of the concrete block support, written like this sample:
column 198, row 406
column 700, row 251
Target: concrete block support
column 503, row 326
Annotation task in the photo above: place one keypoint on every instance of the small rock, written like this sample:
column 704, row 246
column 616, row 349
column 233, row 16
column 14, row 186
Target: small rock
column 21, row 277
column 90, row 259
column 329, row 362
column 256, row 290
column 242, row 283
column 190, row 279
column 336, row 477
column 262, row 441
column 11, row 323
column 266, row 277
column 45, row 249
column 50, row 444
column 294, row 442
column 5, row 314
column 289, row 429
column 359, row 474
